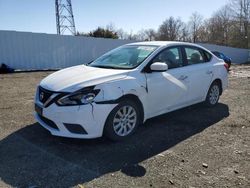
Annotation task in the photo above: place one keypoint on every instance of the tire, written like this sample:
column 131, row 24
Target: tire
column 213, row 95
column 122, row 121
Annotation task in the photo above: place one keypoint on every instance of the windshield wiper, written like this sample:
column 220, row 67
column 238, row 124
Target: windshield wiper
column 87, row 64
column 104, row 67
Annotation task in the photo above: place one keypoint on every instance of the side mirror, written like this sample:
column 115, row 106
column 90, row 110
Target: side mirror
column 159, row 67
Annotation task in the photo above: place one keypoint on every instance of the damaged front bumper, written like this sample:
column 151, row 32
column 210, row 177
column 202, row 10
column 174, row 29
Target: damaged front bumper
column 83, row 121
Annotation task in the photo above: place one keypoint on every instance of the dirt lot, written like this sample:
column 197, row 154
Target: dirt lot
column 168, row 151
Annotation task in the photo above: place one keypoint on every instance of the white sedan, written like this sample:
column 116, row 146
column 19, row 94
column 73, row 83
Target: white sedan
column 123, row 88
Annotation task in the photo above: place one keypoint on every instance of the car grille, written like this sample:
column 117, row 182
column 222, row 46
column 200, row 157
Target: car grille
column 44, row 94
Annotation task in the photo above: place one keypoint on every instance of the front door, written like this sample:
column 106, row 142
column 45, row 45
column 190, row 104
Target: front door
column 167, row 90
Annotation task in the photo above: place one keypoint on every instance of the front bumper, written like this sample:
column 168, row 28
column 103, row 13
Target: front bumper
column 87, row 120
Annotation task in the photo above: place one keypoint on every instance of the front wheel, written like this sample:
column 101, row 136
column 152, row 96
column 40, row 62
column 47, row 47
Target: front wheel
column 122, row 121
column 213, row 95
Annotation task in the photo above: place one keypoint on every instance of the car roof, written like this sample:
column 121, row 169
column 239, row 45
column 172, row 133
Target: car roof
column 163, row 43
column 168, row 43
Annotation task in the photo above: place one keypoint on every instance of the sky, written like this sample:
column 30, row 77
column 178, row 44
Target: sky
column 131, row 15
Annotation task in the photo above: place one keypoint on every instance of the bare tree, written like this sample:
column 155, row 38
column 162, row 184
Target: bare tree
column 141, row 35
column 218, row 28
column 150, row 34
column 195, row 23
column 170, row 29
column 132, row 36
column 204, row 32
column 230, row 25
column 241, row 10
column 122, row 34
column 224, row 18
column 184, row 33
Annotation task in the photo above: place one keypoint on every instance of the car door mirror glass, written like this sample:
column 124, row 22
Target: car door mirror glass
column 159, row 67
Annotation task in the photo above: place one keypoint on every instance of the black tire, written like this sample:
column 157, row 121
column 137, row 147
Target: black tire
column 109, row 129
column 213, row 94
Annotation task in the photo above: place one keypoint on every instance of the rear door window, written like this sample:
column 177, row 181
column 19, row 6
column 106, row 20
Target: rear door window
column 195, row 56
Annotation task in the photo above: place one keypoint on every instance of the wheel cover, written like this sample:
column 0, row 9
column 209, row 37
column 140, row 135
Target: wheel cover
column 214, row 94
column 125, row 120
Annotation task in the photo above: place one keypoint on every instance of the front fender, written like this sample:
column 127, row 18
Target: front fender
column 112, row 92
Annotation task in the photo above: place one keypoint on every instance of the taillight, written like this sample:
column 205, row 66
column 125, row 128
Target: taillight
column 226, row 66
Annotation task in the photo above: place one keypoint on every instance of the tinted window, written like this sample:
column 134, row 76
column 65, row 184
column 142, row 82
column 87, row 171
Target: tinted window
column 171, row 56
column 194, row 56
column 208, row 56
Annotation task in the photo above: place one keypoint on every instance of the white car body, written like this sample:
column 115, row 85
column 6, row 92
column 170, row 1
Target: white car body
column 158, row 92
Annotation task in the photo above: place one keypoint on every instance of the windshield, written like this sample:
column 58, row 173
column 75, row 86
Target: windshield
column 125, row 57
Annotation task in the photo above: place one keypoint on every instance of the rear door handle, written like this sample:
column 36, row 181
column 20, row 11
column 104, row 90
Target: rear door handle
column 182, row 77
column 209, row 72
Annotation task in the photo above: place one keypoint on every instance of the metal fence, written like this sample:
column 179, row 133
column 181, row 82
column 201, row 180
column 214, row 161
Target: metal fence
column 37, row 51
column 239, row 56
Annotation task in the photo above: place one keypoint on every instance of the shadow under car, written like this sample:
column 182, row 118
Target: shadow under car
column 31, row 156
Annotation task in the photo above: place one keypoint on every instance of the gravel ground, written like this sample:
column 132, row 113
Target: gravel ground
column 192, row 147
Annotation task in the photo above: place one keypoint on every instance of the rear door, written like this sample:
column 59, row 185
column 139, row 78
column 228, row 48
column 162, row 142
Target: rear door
column 199, row 70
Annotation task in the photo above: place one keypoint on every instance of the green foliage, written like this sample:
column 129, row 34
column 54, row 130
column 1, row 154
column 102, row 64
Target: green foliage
column 100, row 33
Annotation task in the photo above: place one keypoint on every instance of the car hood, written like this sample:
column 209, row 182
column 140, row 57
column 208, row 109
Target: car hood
column 77, row 77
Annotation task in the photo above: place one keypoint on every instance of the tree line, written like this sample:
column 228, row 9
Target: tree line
column 229, row 26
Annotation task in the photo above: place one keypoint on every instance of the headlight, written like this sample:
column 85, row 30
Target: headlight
column 78, row 98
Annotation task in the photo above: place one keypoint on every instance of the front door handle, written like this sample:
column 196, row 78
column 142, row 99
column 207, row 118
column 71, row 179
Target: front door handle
column 182, row 77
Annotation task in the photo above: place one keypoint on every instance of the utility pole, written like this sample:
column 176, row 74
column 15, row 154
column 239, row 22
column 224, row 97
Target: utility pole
column 64, row 17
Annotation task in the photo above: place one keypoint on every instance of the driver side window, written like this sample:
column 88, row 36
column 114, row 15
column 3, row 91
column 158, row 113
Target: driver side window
column 171, row 56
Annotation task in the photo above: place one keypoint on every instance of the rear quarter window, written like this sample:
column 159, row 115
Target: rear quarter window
column 208, row 56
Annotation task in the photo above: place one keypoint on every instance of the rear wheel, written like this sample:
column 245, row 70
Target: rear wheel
column 122, row 121
column 213, row 94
